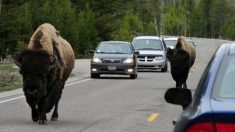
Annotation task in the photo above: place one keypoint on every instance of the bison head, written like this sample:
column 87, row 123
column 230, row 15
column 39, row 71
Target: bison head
column 36, row 69
column 180, row 63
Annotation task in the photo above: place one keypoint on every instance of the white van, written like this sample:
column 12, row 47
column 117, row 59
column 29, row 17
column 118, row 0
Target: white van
column 152, row 52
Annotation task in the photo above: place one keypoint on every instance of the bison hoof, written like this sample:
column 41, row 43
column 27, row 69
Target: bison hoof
column 54, row 118
column 42, row 122
column 35, row 119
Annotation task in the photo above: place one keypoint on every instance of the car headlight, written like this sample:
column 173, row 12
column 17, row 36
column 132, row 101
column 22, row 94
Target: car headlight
column 160, row 58
column 128, row 61
column 96, row 60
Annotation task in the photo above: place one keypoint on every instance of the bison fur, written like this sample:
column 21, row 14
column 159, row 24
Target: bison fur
column 45, row 66
column 181, row 59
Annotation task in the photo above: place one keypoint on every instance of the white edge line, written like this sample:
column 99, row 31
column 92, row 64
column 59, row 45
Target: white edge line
column 4, row 101
column 77, row 82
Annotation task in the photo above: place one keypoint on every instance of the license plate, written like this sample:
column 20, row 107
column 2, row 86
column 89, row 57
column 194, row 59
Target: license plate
column 112, row 68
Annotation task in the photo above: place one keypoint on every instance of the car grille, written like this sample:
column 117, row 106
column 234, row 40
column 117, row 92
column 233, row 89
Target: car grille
column 112, row 61
column 147, row 58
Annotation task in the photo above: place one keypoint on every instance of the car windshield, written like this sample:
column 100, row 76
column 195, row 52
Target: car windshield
column 224, row 86
column 170, row 42
column 147, row 44
column 114, row 48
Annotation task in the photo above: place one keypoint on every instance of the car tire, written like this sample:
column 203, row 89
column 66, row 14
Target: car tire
column 164, row 69
column 133, row 76
column 93, row 75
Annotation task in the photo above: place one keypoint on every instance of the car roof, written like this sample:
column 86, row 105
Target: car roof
column 115, row 42
column 176, row 38
column 170, row 38
column 147, row 37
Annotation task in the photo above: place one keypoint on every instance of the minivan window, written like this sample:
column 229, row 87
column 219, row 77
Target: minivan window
column 114, row 48
column 147, row 44
column 224, row 86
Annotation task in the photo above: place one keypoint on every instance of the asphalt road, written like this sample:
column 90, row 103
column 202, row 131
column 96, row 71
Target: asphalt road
column 110, row 104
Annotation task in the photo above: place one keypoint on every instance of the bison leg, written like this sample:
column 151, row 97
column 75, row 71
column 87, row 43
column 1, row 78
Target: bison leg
column 179, row 84
column 42, row 111
column 55, row 115
column 185, row 85
column 34, row 111
column 35, row 115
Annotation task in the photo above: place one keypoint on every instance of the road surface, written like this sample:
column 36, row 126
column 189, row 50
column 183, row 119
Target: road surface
column 110, row 104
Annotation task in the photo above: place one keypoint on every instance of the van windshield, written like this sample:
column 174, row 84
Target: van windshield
column 147, row 44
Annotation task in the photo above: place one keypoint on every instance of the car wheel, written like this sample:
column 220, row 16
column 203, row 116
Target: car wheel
column 164, row 69
column 93, row 75
column 133, row 76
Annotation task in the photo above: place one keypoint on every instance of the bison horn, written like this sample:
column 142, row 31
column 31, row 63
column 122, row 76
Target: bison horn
column 55, row 63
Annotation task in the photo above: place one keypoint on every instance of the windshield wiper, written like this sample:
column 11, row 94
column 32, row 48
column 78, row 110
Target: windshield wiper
column 119, row 53
column 147, row 49
column 104, row 52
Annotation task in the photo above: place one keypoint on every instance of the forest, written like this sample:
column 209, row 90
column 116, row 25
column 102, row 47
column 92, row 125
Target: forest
column 84, row 23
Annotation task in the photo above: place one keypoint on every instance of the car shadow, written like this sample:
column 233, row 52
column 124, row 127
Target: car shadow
column 113, row 77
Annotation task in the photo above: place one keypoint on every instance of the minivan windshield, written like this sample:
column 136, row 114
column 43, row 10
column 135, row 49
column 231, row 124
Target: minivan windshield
column 170, row 42
column 114, row 48
column 147, row 44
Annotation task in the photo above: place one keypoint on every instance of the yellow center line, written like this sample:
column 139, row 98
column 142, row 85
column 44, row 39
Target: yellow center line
column 153, row 117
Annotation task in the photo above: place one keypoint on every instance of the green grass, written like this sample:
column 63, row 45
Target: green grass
column 5, row 66
column 10, row 87
column 9, row 77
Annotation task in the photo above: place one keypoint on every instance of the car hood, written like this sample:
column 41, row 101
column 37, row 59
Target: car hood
column 151, row 52
column 223, row 105
column 113, row 56
column 170, row 47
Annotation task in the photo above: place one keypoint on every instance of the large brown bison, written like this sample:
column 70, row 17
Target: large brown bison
column 181, row 59
column 45, row 66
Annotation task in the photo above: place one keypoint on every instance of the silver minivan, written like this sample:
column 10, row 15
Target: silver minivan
column 152, row 52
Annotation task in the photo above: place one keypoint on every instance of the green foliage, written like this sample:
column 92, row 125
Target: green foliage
column 229, row 28
column 129, row 27
column 84, row 23
column 87, row 32
column 173, row 22
column 218, row 14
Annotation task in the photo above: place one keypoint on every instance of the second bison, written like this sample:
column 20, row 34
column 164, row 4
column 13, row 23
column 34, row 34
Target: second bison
column 181, row 58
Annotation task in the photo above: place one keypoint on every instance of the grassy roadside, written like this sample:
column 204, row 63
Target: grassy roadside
column 9, row 77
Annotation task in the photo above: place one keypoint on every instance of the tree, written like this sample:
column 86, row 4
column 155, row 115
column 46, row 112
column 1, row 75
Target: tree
column 173, row 19
column 129, row 27
column 87, row 32
column 218, row 15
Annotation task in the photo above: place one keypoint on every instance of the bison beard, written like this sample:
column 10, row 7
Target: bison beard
column 45, row 66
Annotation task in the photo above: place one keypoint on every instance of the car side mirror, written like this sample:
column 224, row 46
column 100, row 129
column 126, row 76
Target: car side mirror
column 92, row 51
column 178, row 96
column 137, row 52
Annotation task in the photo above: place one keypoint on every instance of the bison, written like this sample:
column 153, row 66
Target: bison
column 181, row 58
column 45, row 66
